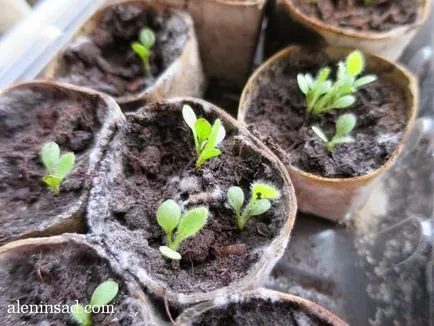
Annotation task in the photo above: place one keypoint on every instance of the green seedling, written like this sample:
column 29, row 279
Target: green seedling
column 206, row 137
column 344, row 125
column 101, row 296
column 322, row 95
column 169, row 218
column 57, row 166
column 259, row 202
column 144, row 46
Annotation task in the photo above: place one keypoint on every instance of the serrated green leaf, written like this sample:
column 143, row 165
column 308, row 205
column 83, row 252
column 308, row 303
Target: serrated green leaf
column 260, row 207
column 66, row 164
column 203, row 130
column 365, row 80
column 318, row 131
column 189, row 117
column 140, row 50
column 191, row 223
column 169, row 253
column 80, row 315
column 302, row 83
column 168, row 216
column 264, row 191
column 52, row 182
column 355, row 63
column 344, row 102
column 236, row 198
column 147, row 37
column 50, row 156
column 104, row 293
column 345, row 124
column 212, row 139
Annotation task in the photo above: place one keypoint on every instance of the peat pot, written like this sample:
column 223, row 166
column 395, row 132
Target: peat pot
column 151, row 160
column 34, row 113
column 331, row 185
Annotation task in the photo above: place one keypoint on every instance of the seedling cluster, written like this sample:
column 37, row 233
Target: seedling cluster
column 169, row 218
column 57, row 166
column 323, row 95
column 206, row 137
column 261, row 194
column 101, row 296
column 144, row 47
column 344, row 125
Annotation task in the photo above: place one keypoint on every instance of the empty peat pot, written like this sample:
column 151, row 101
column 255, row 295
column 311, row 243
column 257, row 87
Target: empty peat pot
column 382, row 27
column 259, row 307
column 151, row 159
column 100, row 56
column 331, row 185
column 228, row 32
column 40, row 277
column 35, row 113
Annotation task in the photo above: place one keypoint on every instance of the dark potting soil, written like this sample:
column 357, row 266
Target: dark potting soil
column 260, row 312
column 29, row 118
column 104, row 59
column 381, row 15
column 158, row 164
column 59, row 275
column 277, row 113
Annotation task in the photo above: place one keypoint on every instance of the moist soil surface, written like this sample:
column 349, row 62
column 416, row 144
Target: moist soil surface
column 158, row 164
column 260, row 312
column 28, row 119
column 104, row 59
column 59, row 275
column 380, row 15
column 277, row 114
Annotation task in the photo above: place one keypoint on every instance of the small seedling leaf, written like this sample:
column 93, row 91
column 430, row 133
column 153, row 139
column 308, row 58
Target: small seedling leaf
column 355, row 63
column 344, row 102
column 189, row 117
column 104, row 293
column 345, row 124
column 66, row 165
column 207, row 154
column 203, row 129
column 191, row 223
column 52, row 182
column 236, row 198
column 265, row 191
column 212, row 139
column 343, row 140
column 170, row 253
column 147, row 37
column 80, row 315
column 318, row 131
column 342, row 70
column 50, row 156
column 324, row 87
column 365, row 80
column 221, row 134
column 260, row 207
column 324, row 74
column 140, row 50
column 168, row 215
column 302, row 83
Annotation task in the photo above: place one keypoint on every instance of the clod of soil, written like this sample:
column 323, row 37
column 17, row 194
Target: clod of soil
column 104, row 60
column 260, row 312
column 277, row 113
column 156, row 162
column 30, row 117
column 380, row 15
column 59, row 275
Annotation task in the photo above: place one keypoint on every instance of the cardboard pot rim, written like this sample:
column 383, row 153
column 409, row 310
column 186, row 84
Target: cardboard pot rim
column 72, row 218
column 262, row 294
column 257, row 271
column 244, row 3
column 317, row 24
column 53, row 66
column 411, row 115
